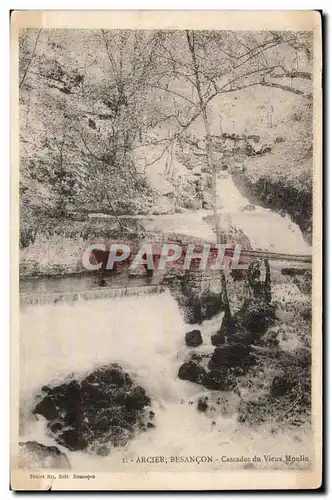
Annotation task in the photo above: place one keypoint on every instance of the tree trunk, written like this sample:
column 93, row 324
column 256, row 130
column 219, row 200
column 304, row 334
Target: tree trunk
column 267, row 282
column 209, row 155
column 227, row 323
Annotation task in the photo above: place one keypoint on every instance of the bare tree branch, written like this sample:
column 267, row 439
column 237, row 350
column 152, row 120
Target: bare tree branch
column 293, row 74
column 265, row 47
column 175, row 93
column 259, row 70
column 89, row 150
column 287, row 88
column 111, row 59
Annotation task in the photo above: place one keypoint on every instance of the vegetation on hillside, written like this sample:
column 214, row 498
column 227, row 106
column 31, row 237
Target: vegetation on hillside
column 121, row 123
column 101, row 109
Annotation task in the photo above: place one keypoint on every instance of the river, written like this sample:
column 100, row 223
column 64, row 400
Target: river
column 266, row 229
column 145, row 335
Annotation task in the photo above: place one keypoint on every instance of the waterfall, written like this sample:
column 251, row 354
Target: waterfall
column 69, row 332
column 33, row 299
column 266, row 230
column 145, row 335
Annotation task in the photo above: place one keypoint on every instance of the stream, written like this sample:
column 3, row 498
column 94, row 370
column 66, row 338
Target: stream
column 266, row 229
column 145, row 335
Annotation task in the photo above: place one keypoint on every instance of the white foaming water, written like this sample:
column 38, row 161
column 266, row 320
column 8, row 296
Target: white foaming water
column 265, row 229
column 75, row 338
column 145, row 336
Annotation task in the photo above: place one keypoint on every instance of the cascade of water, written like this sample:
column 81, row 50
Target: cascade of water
column 142, row 329
column 32, row 299
column 265, row 229
column 145, row 335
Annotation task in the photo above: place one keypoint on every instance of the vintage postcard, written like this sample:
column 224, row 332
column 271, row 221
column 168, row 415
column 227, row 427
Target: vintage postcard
column 166, row 219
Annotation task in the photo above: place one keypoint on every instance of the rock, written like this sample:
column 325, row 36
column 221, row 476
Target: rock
column 280, row 386
column 101, row 424
column 202, row 405
column 230, row 355
column 194, row 204
column 162, row 206
column 279, row 139
column 150, row 425
column 216, row 380
column 193, row 338
column 193, row 295
column 112, row 376
column 35, row 456
column 104, row 408
column 47, row 408
column 191, row 371
column 217, row 339
column 138, row 399
column 206, row 180
column 56, row 427
column 238, row 274
column 243, row 337
column 207, row 201
column 103, row 451
column 254, row 411
column 248, row 208
column 270, row 339
column 303, row 357
column 293, row 271
column 72, row 439
column 194, row 356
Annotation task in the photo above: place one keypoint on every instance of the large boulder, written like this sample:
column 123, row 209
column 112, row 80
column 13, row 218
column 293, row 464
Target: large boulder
column 35, row 456
column 230, row 355
column 193, row 338
column 217, row 380
column 105, row 408
column 218, row 339
column 192, row 372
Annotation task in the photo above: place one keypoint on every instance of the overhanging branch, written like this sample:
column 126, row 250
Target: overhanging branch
column 286, row 88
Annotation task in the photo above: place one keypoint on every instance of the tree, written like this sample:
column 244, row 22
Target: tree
column 82, row 114
column 85, row 113
column 210, row 63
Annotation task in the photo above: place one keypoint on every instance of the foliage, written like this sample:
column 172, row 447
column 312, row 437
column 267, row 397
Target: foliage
column 94, row 101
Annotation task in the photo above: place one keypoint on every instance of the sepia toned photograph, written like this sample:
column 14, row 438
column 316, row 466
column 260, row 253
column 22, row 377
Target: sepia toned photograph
column 166, row 222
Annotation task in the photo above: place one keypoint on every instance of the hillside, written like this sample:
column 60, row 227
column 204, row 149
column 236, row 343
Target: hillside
column 94, row 141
